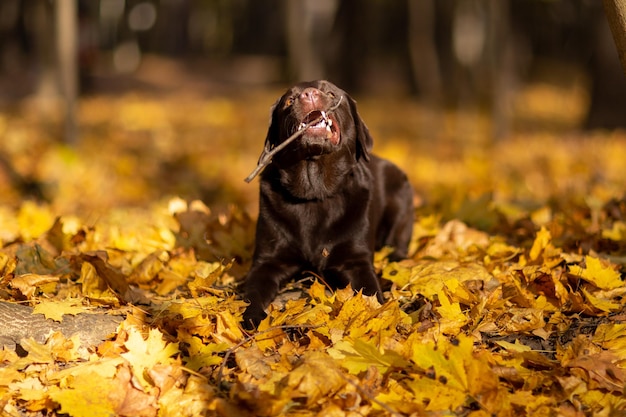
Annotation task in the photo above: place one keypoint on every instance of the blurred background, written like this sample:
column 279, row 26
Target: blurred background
column 122, row 102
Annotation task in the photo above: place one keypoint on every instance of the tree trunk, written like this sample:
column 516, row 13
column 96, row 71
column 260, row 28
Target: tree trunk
column 423, row 51
column 306, row 53
column 67, row 61
column 616, row 15
column 608, row 91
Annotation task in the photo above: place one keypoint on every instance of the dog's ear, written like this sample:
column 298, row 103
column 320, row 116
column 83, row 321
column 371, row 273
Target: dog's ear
column 272, row 138
column 364, row 140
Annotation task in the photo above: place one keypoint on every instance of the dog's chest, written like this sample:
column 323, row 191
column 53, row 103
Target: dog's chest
column 317, row 227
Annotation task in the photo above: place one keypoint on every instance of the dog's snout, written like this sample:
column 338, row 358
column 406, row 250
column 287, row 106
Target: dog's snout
column 310, row 94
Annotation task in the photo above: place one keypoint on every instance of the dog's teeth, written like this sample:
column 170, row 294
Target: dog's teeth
column 302, row 125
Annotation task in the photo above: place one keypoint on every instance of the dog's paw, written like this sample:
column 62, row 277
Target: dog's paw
column 252, row 317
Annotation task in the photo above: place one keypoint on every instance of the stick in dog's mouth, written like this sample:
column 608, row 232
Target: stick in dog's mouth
column 325, row 121
column 266, row 158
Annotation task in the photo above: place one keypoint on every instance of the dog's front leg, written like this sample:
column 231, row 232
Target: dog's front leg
column 261, row 287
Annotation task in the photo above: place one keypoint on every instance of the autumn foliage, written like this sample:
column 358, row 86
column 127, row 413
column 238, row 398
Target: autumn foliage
column 511, row 304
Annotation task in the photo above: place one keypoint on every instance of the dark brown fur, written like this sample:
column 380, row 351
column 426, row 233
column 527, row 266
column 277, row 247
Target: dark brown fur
column 326, row 204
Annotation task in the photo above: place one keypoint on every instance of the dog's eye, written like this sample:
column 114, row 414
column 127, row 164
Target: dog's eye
column 331, row 94
column 288, row 102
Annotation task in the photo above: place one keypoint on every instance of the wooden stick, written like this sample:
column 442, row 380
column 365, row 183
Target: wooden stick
column 266, row 158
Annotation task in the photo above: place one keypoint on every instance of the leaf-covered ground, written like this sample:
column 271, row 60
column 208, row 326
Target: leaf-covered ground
column 511, row 304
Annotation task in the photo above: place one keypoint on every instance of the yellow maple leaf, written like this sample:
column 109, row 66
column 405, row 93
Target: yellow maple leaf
column 318, row 294
column 602, row 402
column 227, row 326
column 31, row 391
column 10, row 374
column 103, row 367
column 602, row 370
column 101, row 387
column 94, row 287
column 601, row 304
column 37, row 352
column 612, row 336
column 436, row 396
column 452, row 317
column 451, row 374
column 397, row 273
column 202, row 355
column 87, row 396
column 295, row 312
column 149, row 267
column 194, row 399
column 143, row 354
column 316, row 376
column 427, row 278
column 516, row 320
column 55, row 309
column 205, row 275
column 513, row 347
column 541, row 242
column 596, row 273
column 29, row 284
column 450, row 310
column 357, row 315
column 178, row 271
column 199, row 306
column 357, row 356
column 427, row 356
column 254, row 362
column 400, row 398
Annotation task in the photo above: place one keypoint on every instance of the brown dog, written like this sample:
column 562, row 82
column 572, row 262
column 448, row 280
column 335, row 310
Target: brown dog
column 326, row 203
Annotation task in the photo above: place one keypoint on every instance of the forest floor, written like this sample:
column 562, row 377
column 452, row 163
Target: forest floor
column 511, row 303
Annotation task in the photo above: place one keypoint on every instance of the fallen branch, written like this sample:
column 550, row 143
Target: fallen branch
column 18, row 322
column 266, row 158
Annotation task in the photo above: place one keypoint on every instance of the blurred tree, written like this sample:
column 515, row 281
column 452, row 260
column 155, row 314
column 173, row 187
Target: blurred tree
column 66, row 15
column 616, row 16
column 308, row 27
column 454, row 52
column 484, row 71
column 608, row 90
column 423, row 50
column 40, row 17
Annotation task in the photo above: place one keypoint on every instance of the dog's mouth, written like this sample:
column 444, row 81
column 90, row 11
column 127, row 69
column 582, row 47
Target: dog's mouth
column 326, row 126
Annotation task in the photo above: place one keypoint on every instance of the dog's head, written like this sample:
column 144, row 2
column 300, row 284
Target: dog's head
column 339, row 129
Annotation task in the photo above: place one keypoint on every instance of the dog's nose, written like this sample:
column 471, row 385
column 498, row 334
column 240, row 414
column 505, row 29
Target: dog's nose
column 310, row 94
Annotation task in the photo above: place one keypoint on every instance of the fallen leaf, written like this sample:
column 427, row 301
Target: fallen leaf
column 55, row 310
column 144, row 354
column 514, row 347
column 314, row 377
column 358, row 356
column 602, row 369
column 596, row 273
column 28, row 284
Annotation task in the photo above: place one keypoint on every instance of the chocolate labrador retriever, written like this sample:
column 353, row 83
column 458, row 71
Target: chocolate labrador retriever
column 326, row 203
